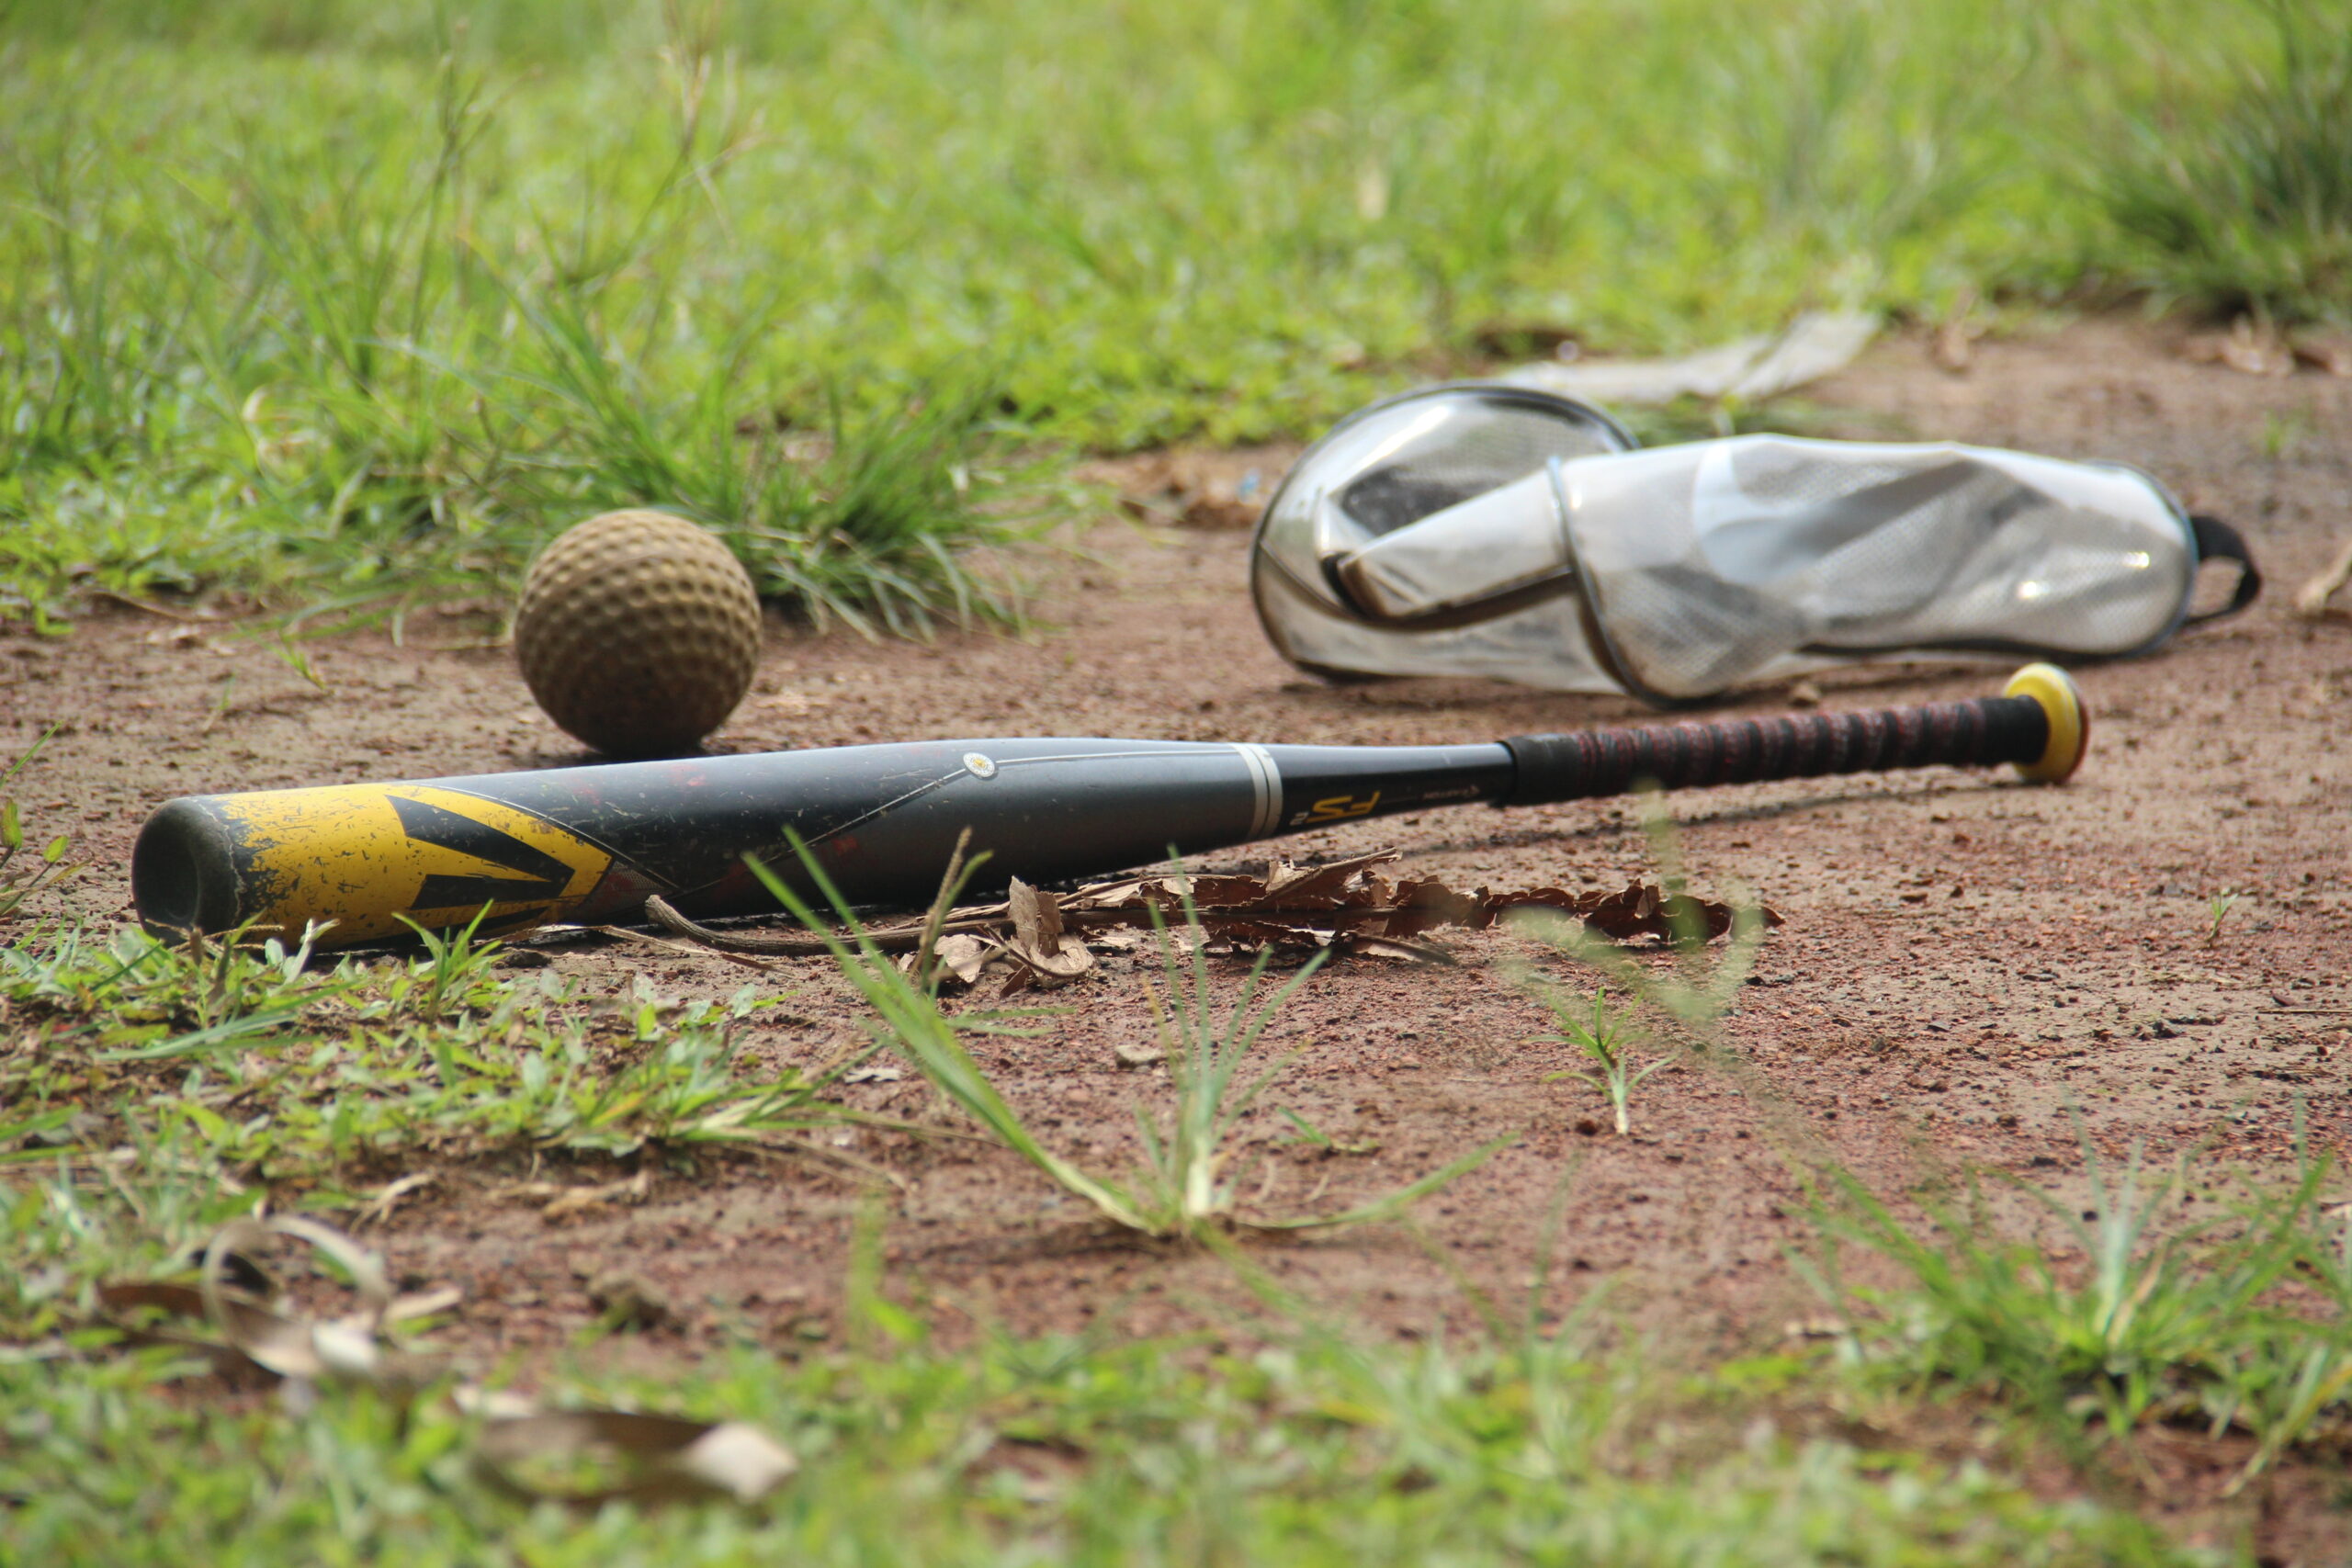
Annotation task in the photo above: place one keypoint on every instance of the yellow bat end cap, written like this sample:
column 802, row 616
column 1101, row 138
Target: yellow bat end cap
column 2069, row 722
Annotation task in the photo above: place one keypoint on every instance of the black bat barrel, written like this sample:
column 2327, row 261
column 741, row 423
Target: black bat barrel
column 589, row 844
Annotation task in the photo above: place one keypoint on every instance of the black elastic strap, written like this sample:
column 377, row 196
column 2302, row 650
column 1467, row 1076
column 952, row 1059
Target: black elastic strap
column 2216, row 540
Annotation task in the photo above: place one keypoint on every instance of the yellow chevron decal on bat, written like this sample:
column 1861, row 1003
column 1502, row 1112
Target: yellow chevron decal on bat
column 436, row 855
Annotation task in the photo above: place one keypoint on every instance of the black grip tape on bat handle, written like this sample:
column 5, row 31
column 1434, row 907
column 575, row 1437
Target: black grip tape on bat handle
column 1983, row 732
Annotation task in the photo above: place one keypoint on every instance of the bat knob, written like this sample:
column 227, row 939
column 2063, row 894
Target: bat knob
column 2070, row 723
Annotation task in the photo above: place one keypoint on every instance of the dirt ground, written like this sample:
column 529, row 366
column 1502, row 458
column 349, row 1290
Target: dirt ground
column 1968, row 964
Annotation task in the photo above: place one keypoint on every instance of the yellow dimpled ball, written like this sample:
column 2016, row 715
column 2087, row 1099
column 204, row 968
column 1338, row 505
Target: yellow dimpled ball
column 637, row 632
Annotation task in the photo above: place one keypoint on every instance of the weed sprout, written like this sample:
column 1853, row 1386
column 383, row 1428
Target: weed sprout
column 1605, row 1034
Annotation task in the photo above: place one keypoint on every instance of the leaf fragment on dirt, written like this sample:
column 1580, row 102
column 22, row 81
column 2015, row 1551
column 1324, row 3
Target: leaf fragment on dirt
column 140, row 1309
column 1189, row 491
column 964, row 956
column 630, row 1301
column 2312, row 598
column 1049, row 955
column 562, row 1202
column 254, row 1340
column 379, row 1207
column 2327, row 352
column 345, row 1348
column 661, row 1457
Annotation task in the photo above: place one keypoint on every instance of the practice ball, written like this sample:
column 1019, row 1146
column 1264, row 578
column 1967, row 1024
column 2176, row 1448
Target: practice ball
column 637, row 632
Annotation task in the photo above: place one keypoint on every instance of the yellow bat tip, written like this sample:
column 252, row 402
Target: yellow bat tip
column 2069, row 721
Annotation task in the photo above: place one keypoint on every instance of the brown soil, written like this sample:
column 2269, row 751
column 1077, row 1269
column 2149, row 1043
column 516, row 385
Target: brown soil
column 1968, row 964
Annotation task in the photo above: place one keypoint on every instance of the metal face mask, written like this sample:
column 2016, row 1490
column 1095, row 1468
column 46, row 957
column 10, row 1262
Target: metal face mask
column 1488, row 530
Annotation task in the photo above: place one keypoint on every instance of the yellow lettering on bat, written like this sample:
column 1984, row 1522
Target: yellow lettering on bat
column 1336, row 808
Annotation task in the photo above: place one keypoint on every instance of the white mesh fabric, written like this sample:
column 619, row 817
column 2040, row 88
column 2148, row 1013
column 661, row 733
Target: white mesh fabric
column 1711, row 563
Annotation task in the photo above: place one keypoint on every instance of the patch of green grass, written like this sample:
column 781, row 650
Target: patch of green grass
column 2236, row 184
column 2136, row 1309
column 1318, row 1450
column 351, row 305
column 237, row 1067
column 345, row 351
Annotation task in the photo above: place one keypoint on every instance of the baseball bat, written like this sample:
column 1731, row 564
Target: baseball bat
column 590, row 843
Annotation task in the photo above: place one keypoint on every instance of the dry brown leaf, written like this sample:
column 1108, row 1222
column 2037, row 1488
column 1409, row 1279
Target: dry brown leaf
column 1424, row 903
column 252, row 1338
column 571, row 1202
column 664, row 1458
column 1037, row 919
column 2327, row 352
column 344, row 1348
column 2248, row 348
column 1219, row 510
column 1188, row 489
column 962, row 956
column 576, row 1203
column 133, row 1309
column 1346, row 905
column 1039, row 939
column 628, row 1300
column 378, row 1208
column 1953, row 346
column 1289, row 885
column 1357, row 946
column 2310, row 599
